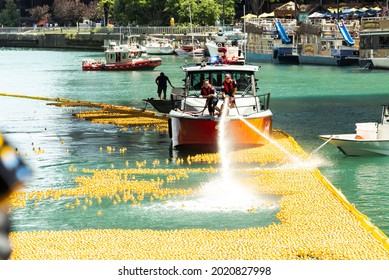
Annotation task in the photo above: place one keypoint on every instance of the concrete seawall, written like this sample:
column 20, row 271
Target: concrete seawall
column 68, row 41
column 74, row 40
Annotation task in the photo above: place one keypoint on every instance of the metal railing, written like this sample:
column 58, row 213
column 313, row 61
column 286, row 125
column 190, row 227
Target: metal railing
column 262, row 103
column 137, row 30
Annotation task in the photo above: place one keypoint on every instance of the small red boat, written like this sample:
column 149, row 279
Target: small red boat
column 122, row 58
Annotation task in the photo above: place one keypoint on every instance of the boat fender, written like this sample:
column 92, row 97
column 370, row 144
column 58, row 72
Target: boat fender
column 358, row 137
column 169, row 122
column 275, row 54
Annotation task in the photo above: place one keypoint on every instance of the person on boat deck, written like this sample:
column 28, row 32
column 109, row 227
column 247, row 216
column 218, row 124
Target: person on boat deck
column 209, row 92
column 161, row 82
column 229, row 90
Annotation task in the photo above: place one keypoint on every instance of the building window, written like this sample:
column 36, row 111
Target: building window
column 383, row 42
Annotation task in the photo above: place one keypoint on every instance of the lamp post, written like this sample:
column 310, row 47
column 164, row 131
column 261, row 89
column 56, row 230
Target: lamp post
column 223, row 13
column 337, row 7
column 295, row 10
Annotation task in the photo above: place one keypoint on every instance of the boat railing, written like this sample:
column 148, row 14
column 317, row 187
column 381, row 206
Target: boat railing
column 264, row 100
column 195, row 105
column 176, row 96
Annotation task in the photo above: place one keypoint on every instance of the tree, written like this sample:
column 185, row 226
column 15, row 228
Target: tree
column 93, row 11
column 152, row 9
column 72, row 11
column 204, row 12
column 105, row 8
column 208, row 12
column 140, row 12
column 40, row 14
column 9, row 16
column 229, row 10
column 124, row 11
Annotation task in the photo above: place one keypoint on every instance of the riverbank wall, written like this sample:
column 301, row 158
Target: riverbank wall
column 67, row 41
column 80, row 41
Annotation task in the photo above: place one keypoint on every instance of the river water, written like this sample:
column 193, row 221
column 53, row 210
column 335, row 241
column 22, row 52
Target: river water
column 306, row 101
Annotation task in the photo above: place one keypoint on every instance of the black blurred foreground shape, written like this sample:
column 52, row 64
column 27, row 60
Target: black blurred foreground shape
column 13, row 173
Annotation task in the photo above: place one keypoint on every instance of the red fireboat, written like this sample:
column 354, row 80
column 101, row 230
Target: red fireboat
column 122, row 58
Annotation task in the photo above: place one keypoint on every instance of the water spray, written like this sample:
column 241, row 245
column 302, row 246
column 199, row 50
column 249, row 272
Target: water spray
column 294, row 158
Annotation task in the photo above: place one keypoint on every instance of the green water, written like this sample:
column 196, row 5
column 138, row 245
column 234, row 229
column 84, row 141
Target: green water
column 306, row 101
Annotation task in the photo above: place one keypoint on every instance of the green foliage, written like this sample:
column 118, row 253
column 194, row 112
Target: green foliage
column 104, row 8
column 9, row 15
column 152, row 12
column 204, row 12
column 125, row 11
column 142, row 12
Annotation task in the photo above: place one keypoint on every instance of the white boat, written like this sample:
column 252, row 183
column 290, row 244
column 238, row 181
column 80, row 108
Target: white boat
column 228, row 53
column 191, row 124
column 370, row 138
column 189, row 50
column 159, row 46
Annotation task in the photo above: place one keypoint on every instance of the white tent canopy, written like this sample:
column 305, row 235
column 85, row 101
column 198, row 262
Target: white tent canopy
column 249, row 16
column 316, row 15
column 266, row 15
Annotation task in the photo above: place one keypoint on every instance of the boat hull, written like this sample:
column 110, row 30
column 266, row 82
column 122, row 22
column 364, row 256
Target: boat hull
column 162, row 106
column 143, row 64
column 196, row 132
column 159, row 50
column 371, row 63
column 350, row 146
column 285, row 55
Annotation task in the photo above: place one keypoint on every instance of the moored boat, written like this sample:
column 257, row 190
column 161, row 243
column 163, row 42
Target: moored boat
column 370, row 138
column 188, row 50
column 159, row 46
column 374, row 43
column 192, row 125
column 227, row 54
column 121, row 58
column 316, row 42
column 284, row 53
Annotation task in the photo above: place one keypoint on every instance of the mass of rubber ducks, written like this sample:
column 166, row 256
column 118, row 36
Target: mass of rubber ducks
column 316, row 220
column 314, row 223
column 137, row 120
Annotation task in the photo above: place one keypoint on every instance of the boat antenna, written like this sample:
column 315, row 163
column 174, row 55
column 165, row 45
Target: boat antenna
column 191, row 28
